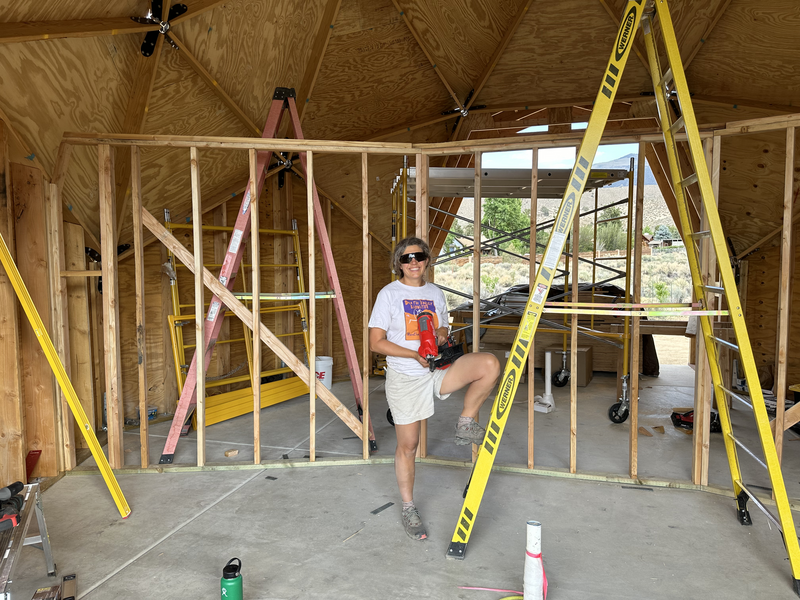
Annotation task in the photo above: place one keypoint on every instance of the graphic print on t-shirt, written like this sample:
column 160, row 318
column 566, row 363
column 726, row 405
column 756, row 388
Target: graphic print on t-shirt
column 411, row 308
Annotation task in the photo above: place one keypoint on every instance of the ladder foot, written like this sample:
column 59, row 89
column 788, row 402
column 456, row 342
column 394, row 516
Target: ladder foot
column 166, row 459
column 373, row 446
column 797, row 586
column 741, row 509
column 457, row 550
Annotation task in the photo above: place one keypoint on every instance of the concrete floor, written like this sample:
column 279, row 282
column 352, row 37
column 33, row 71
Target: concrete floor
column 311, row 532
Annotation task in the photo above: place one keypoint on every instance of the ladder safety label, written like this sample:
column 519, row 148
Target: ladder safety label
column 223, row 280
column 236, row 240
column 538, row 295
column 212, row 311
column 246, row 201
column 554, row 251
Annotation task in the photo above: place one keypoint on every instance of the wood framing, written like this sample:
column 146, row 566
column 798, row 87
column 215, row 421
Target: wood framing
column 12, row 409
column 199, row 306
column 38, row 384
column 80, row 339
column 59, row 321
column 113, row 366
column 366, row 287
column 785, row 292
column 255, row 246
column 141, row 326
column 312, row 310
column 532, row 252
column 421, row 214
column 636, row 339
column 573, row 352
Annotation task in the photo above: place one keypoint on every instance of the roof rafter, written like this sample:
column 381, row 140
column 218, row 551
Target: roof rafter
column 529, row 106
column 318, row 50
column 28, row 31
column 701, row 42
column 213, row 84
column 428, row 55
column 637, row 43
column 488, row 69
column 135, row 115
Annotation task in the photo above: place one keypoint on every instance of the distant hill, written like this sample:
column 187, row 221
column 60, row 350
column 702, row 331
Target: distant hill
column 624, row 162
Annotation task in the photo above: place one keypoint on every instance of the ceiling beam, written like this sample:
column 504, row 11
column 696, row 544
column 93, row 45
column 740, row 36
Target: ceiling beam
column 27, row 31
column 213, row 84
column 723, row 6
column 742, row 103
column 488, row 69
column 427, row 54
column 81, row 28
column 409, row 126
column 318, row 49
column 526, row 106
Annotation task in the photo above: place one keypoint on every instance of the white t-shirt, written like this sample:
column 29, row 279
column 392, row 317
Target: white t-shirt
column 395, row 311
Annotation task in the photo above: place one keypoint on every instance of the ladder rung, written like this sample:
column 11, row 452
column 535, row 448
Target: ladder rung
column 736, row 396
column 714, row 289
column 746, row 449
column 725, row 343
column 677, row 125
column 691, row 179
column 700, row 234
column 758, row 503
column 666, row 77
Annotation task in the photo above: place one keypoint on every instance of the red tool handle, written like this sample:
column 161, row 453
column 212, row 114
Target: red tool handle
column 427, row 335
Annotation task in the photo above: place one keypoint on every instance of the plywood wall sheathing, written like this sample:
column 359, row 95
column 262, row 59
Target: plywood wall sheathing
column 38, row 387
column 12, row 410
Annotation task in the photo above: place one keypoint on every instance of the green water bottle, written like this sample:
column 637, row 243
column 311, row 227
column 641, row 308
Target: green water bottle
column 231, row 582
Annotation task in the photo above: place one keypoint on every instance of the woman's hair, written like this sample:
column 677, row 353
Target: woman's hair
column 400, row 249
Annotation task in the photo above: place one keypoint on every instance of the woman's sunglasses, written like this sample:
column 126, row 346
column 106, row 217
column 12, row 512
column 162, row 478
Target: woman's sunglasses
column 418, row 256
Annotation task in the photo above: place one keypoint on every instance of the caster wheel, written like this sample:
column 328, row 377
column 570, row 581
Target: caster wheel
column 560, row 379
column 389, row 416
column 615, row 415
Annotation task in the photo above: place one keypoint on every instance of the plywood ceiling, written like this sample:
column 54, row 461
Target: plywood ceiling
column 387, row 65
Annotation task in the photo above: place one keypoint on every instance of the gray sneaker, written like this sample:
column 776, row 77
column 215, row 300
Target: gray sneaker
column 471, row 433
column 413, row 524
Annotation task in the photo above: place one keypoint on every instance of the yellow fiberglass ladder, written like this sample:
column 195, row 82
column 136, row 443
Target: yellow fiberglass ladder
column 670, row 90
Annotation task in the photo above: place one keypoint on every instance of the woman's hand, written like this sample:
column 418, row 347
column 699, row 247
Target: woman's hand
column 421, row 360
column 441, row 335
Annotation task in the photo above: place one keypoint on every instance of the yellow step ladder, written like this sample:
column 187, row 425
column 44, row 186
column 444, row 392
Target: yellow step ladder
column 672, row 82
column 63, row 379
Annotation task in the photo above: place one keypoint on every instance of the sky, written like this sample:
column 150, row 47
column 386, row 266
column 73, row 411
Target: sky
column 552, row 158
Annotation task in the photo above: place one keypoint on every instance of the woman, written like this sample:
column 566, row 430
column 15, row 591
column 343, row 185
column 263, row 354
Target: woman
column 410, row 385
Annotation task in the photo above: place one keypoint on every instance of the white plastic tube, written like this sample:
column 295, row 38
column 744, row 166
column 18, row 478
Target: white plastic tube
column 534, row 579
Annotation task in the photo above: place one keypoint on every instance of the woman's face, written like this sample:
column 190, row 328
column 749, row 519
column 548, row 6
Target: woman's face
column 413, row 271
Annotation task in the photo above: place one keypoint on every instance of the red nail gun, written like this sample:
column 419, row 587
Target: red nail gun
column 438, row 357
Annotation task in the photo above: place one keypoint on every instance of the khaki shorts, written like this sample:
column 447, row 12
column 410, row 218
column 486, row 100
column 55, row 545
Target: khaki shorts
column 411, row 398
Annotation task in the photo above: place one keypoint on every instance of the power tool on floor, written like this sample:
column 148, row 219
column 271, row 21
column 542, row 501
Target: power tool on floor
column 10, row 505
column 438, row 357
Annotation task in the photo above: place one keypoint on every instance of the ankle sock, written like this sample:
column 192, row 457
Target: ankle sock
column 408, row 505
column 465, row 420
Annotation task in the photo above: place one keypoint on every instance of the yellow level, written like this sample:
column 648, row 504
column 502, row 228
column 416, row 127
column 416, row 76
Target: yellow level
column 62, row 377
column 544, row 279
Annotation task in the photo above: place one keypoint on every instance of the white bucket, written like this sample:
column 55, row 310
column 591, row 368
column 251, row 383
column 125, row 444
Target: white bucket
column 324, row 369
